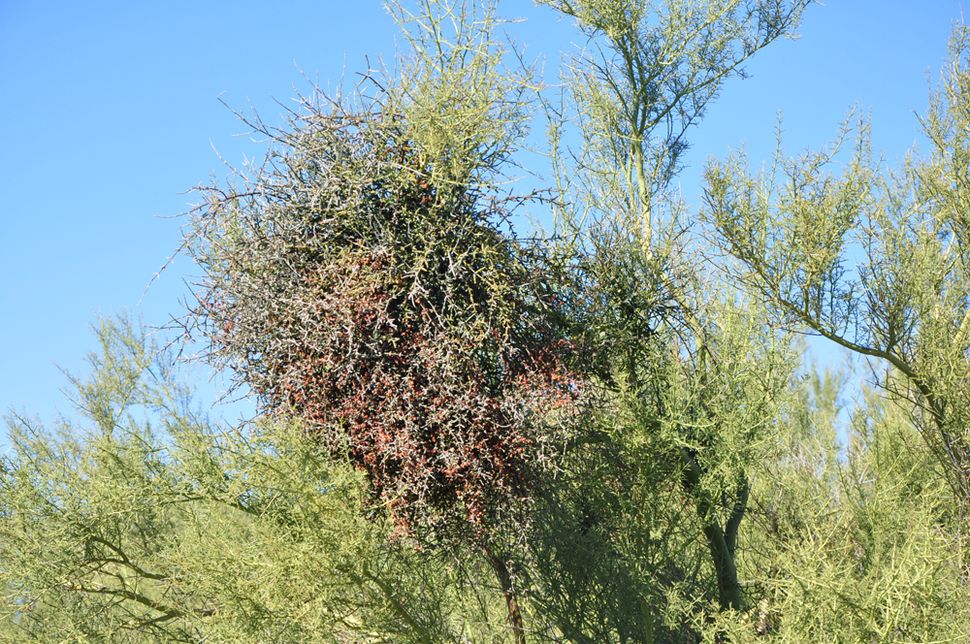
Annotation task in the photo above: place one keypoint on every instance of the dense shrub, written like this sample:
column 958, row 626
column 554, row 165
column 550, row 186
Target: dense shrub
column 391, row 311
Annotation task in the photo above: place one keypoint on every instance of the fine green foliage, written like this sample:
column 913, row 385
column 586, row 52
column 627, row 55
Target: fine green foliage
column 142, row 522
column 646, row 528
column 857, row 543
column 648, row 75
column 691, row 373
column 876, row 262
column 466, row 435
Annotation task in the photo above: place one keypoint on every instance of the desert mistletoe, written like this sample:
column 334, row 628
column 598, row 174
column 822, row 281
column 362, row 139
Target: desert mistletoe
column 393, row 311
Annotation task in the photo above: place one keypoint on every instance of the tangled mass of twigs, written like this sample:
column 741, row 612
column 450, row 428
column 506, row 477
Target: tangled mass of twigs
column 389, row 310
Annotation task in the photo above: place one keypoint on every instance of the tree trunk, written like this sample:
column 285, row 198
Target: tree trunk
column 721, row 542
column 511, row 599
column 728, row 588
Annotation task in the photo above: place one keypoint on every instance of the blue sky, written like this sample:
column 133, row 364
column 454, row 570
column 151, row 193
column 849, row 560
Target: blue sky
column 111, row 113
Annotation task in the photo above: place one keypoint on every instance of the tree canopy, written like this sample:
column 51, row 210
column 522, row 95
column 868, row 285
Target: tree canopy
column 597, row 432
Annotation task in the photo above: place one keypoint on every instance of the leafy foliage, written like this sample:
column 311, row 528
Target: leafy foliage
column 470, row 436
column 853, row 543
column 690, row 370
column 906, row 300
column 150, row 524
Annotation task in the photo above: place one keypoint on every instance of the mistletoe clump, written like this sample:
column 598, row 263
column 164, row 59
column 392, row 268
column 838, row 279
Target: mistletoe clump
column 389, row 307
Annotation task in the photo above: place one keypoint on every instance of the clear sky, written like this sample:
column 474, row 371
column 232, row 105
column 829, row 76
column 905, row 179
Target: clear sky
column 110, row 112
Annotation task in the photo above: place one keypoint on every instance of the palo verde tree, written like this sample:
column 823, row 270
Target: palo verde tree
column 140, row 520
column 649, row 73
column 875, row 262
column 852, row 539
column 364, row 281
column 469, row 436
column 691, row 375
